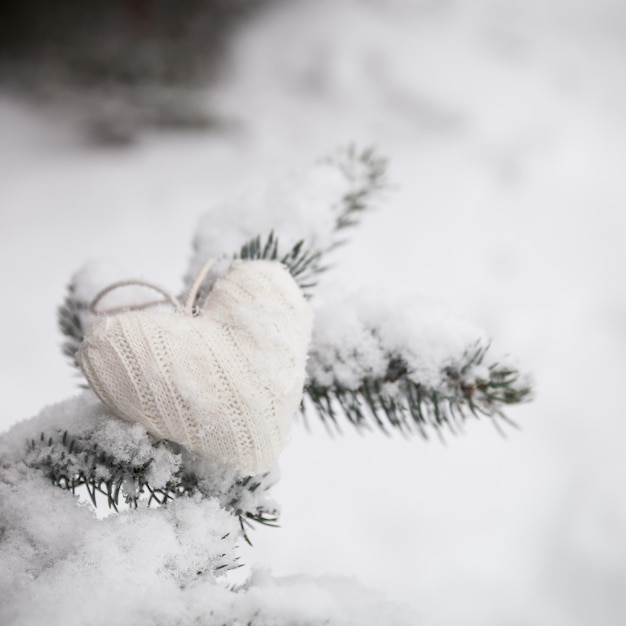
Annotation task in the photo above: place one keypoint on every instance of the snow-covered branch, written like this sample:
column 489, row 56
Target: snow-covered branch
column 143, row 565
column 79, row 444
column 410, row 368
column 298, row 219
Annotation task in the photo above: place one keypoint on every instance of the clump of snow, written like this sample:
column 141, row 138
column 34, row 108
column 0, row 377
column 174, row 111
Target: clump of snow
column 344, row 350
column 301, row 206
column 62, row 565
column 164, row 465
column 356, row 337
column 40, row 525
column 80, row 415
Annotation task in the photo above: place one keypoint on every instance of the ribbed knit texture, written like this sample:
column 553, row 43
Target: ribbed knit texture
column 224, row 383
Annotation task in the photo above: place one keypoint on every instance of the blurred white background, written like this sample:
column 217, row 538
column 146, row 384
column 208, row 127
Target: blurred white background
column 505, row 126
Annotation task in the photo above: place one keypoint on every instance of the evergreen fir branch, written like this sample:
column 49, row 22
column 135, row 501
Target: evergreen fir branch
column 400, row 402
column 70, row 321
column 303, row 264
column 260, row 517
column 366, row 173
column 72, row 463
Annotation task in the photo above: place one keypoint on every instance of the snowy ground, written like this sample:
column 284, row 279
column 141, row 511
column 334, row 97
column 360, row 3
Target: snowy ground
column 505, row 127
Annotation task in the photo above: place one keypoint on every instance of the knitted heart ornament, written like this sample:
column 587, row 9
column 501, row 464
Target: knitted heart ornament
column 222, row 379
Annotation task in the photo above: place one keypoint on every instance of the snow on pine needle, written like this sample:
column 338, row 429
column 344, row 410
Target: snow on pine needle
column 409, row 367
column 80, row 445
column 297, row 219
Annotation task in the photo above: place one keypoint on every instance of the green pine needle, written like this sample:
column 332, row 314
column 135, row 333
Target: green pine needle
column 73, row 462
column 398, row 402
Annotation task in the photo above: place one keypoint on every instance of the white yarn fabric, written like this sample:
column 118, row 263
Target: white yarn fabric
column 223, row 381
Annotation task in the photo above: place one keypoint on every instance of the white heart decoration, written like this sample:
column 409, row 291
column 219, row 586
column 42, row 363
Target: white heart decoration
column 224, row 383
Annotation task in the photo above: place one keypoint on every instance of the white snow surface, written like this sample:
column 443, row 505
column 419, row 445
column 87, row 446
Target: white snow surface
column 505, row 127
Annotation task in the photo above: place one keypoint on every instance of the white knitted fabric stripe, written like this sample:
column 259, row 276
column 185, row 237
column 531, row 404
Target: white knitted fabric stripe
column 225, row 383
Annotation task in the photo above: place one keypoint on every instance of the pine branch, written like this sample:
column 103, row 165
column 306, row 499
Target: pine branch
column 72, row 462
column 275, row 223
column 303, row 264
column 366, row 173
column 399, row 401
column 70, row 320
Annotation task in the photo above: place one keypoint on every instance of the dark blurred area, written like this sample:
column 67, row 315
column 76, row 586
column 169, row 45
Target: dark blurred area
column 122, row 63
